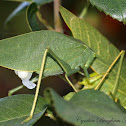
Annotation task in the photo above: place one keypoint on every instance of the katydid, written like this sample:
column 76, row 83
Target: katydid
column 65, row 70
column 59, row 53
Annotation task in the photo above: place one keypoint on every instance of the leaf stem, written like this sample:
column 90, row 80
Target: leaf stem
column 12, row 91
column 57, row 19
column 116, row 85
column 85, row 9
column 43, row 21
column 100, row 83
column 15, row 90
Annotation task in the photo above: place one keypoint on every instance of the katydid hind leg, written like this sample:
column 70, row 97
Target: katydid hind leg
column 116, row 85
column 110, row 67
column 38, row 87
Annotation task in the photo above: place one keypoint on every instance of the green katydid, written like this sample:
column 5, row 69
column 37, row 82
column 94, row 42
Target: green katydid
column 65, row 70
column 60, row 53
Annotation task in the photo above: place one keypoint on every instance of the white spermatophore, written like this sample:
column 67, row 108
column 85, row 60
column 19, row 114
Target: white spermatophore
column 25, row 76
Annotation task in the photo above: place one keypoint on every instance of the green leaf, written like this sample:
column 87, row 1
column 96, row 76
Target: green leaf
column 89, row 107
column 15, row 109
column 21, row 8
column 115, row 8
column 69, row 96
column 31, row 17
column 25, row 52
column 104, row 50
column 38, row 2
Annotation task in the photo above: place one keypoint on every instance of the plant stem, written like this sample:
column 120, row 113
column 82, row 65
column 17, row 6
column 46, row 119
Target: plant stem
column 57, row 19
column 12, row 91
column 115, row 88
column 84, row 11
column 15, row 90
column 44, row 21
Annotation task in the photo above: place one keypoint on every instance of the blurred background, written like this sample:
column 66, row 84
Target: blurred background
column 114, row 30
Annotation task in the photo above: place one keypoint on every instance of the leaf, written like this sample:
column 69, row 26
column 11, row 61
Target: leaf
column 31, row 17
column 104, row 50
column 89, row 107
column 15, row 109
column 38, row 2
column 69, row 96
column 21, row 8
column 25, row 52
column 115, row 8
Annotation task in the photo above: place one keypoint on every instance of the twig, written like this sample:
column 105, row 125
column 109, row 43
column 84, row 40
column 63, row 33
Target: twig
column 44, row 21
column 85, row 9
column 57, row 19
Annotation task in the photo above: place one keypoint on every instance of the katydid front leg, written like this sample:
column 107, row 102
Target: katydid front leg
column 85, row 68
